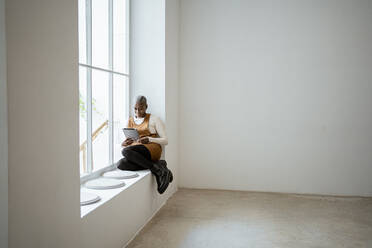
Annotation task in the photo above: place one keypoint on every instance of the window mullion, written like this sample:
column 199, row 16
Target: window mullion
column 111, row 107
column 128, row 57
column 89, row 84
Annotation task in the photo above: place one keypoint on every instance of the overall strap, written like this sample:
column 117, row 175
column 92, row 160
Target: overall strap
column 147, row 121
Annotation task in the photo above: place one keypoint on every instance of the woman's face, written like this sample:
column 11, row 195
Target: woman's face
column 140, row 110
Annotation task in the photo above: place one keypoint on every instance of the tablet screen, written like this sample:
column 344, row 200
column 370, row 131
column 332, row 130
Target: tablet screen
column 131, row 133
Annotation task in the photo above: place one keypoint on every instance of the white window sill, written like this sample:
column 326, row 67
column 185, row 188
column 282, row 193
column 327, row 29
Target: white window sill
column 108, row 194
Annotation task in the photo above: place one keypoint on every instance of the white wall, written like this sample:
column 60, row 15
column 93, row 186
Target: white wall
column 3, row 134
column 43, row 123
column 154, row 66
column 148, row 53
column 276, row 96
column 44, row 208
column 171, row 86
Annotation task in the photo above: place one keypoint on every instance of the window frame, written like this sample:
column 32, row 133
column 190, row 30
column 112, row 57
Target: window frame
column 89, row 174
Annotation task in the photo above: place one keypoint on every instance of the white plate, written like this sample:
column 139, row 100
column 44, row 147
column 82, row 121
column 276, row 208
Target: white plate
column 88, row 198
column 120, row 174
column 104, row 183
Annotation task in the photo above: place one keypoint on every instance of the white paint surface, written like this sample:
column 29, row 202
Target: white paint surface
column 3, row 134
column 154, row 67
column 276, row 96
column 172, row 86
column 44, row 189
column 148, row 54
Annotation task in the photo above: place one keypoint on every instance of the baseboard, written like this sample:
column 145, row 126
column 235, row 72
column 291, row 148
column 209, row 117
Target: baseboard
column 279, row 192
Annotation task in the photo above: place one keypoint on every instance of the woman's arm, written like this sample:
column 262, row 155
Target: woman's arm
column 160, row 129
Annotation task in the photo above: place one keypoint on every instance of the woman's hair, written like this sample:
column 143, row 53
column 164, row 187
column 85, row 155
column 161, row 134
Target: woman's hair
column 141, row 100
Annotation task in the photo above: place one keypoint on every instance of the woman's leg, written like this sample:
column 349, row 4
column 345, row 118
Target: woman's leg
column 138, row 155
column 124, row 164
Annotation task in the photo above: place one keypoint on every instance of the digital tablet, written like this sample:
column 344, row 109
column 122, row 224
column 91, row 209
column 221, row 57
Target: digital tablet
column 131, row 133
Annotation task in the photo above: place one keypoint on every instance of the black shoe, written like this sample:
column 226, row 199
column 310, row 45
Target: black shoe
column 159, row 181
column 163, row 163
column 161, row 176
column 163, row 187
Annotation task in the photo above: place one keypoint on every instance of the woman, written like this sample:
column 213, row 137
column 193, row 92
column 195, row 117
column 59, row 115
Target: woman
column 145, row 152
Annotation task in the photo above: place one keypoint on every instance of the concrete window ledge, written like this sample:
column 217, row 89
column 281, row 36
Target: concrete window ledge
column 108, row 194
column 122, row 212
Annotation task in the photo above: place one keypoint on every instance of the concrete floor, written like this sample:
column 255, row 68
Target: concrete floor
column 229, row 219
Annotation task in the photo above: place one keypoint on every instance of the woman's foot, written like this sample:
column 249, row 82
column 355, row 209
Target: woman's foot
column 163, row 187
column 162, row 177
column 163, row 163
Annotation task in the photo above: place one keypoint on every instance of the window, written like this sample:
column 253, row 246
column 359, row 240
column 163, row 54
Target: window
column 103, row 81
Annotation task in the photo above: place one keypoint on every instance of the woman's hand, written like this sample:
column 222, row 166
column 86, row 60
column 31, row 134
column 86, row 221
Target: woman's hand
column 144, row 140
column 127, row 142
